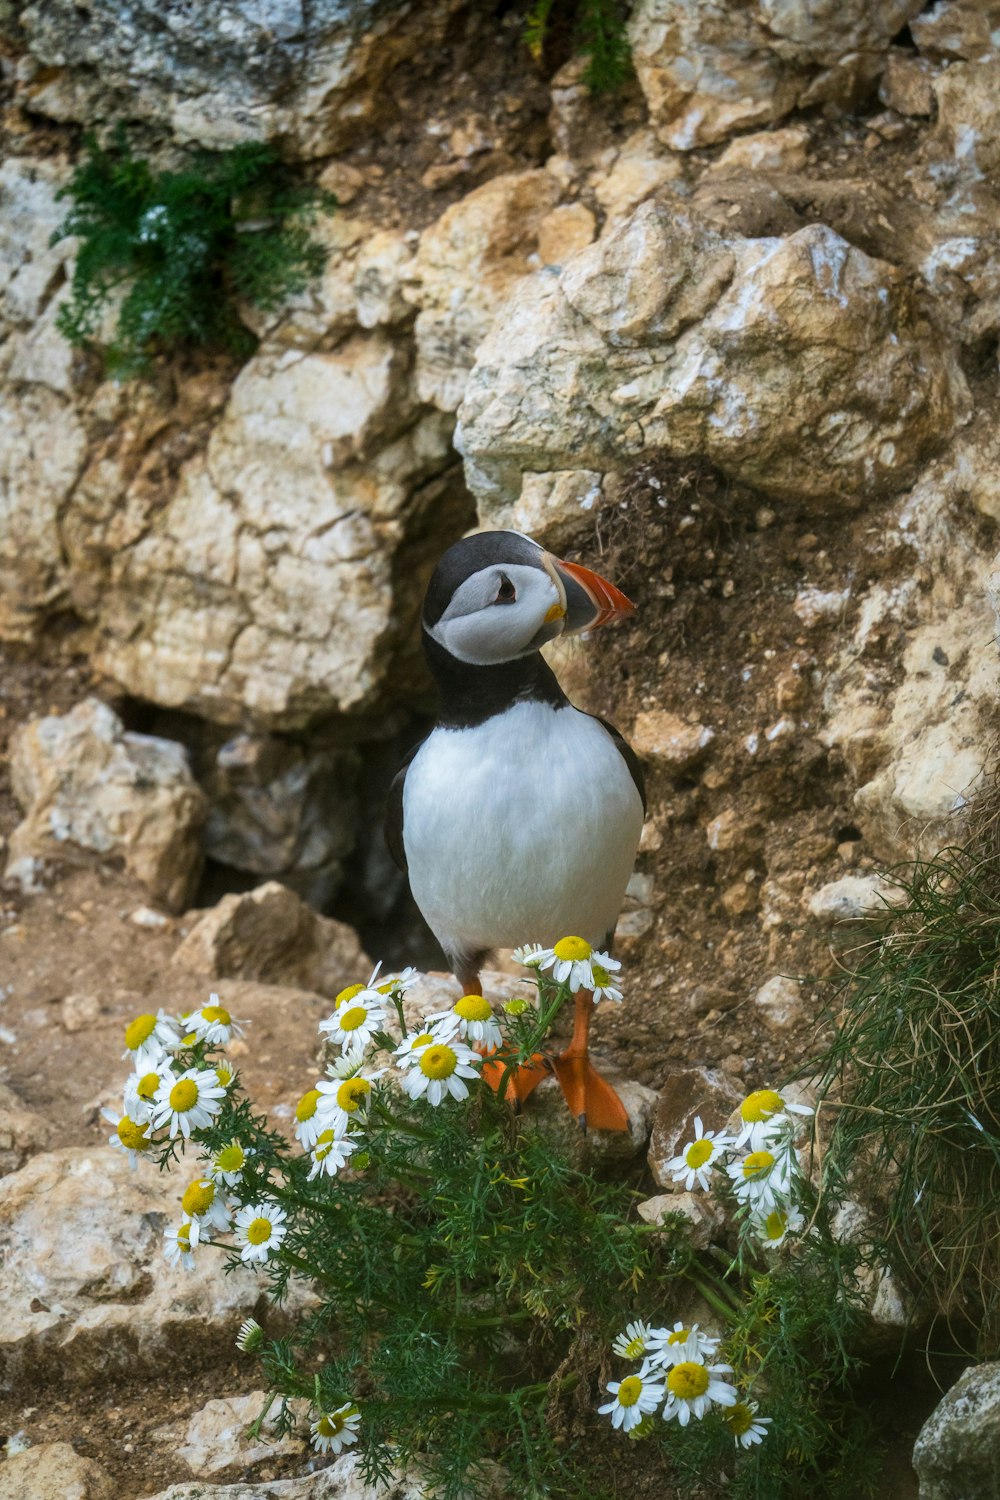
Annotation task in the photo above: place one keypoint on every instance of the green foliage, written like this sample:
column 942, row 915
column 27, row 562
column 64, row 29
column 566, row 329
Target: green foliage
column 913, row 1080
column 598, row 32
column 179, row 251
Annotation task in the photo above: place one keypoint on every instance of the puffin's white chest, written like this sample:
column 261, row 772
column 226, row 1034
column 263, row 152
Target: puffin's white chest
column 522, row 829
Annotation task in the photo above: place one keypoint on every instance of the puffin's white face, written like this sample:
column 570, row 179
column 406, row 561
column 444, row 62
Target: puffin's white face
column 502, row 612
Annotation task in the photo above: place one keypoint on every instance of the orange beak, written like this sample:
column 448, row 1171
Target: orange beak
column 590, row 599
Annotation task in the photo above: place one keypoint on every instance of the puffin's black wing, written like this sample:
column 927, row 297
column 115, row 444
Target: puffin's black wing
column 627, row 754
column 392, row 825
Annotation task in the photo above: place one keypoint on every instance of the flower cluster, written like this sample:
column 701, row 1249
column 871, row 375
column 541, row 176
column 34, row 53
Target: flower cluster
column 760, row 1163
column 574, row 962
column 679, row 1377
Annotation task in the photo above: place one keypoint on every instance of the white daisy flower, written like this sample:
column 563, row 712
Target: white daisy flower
column 409, row 1048
column 569, row 961
column 758, row 1113
column 698, row 1156
column 260, row 1229
column 672, row 1346
column 189, row 1102
column 356, row 1018
column 745, row 1425
column 399, row 983
column 441, row 1070
column 331, row 1152
column 180, row 1241
column 633, row 1398
column 205, row 1202
column 130, row 1136
column 530, row 955
column 344, row 1100
column 308, row 1121
column 149, row 1038
column 762, row 1180
column 228, row 1163
column 632, row 1342
column 225, row 1073
column 141, row 1090
column 772, row 1229
column 213, row 1023
column 334, row 1430
column 250, row 1336
column 604, row 985
column 692, row 1389
column 471, row 1018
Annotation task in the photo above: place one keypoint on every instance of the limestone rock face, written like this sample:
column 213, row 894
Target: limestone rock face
column 215, row 1438
column 248, row 71
column 957, row 1454
column 265, row 585
column 795, row 364
column 271, row 935
column 53, row 1471
column 712, row 67
column 86, row 1292
column 341, row 1480
column 89, row 788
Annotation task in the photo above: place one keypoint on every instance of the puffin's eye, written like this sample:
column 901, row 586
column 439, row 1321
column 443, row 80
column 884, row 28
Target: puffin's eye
column 506, row 593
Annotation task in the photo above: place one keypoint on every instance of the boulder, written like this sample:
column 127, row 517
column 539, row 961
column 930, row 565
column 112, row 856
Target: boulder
column 956, row 30
column 795, row 364
column 779, row 1003
column 341, row 1480
column 215, row 1438
column 957, row 1453
column 703, row 1212
column 854, row 898
column 709, row 68
column 967, row 126
column 23, row 1132
column 90, row 789
column 271, row 935
column 86, row 1293
column 685, row 1094
column 53, row 1471
column 670, row 741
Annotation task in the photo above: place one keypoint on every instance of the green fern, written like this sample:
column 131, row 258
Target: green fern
column 599, row 36
column 183, row 249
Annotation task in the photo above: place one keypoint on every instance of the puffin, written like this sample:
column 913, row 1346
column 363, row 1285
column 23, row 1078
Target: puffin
column 517, row 819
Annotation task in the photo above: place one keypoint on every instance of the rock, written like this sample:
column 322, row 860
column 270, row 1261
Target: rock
column 732, row 833
column 889, row 1307
column 854, row 898
column 908, row 83
column 23, row 1133
column 264, row 585
column 704, row 1214
column 957, row 1452
column 687, row 1092
column 53, row 1471
column 309, row 75
column 600, row 1151
column 466, row 262
column 80, row 1012
column 215, row 1438
column 567, row 229
column 794, row 364
column 816, row 607
column 270, row 934
column 764, row 151
column 967, row 125
column 281, row 809
column 953, row 30
column 86, row 1293
column 710, row 69
column 87, row 787
column 670, row 741
column 641, row 168
column 341, row 1480
column 780, row 1003
column 558, row 510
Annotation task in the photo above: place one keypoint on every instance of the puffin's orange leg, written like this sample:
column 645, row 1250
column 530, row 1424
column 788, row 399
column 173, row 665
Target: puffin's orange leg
column 520, row 1081
column 590, row 1097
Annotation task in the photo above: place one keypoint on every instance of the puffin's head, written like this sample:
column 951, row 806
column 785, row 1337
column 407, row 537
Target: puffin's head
column 499, row 595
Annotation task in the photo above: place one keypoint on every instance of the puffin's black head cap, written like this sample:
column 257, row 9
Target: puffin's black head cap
column 484, row 550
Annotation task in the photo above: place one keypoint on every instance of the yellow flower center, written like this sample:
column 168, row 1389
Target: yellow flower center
column 601, row 975
column 231, row 1158
column 184, row 1237
column 147, row 1085
column 224, row 1074
column 739, row 1418
column 324, row 1143
column 352, row 1094
column 515, row 1007
column 190, row 1039
column 573, row 949
column 349, row 993
column 306, row 1107
column 761, row 1105
column 330, row 1426
column 473, row 1008
column 353, row 1018
column 698, row 1153
column 757, row 1164
column 688, row 1380
column 423, row 1040
column 775, row 1224
column 139, row 1031
column 198, row 1198
column 679, row 1336
column 259, row 1231
column 643, row 1429
column 216, row 1013
column 131, row 1135
column 438, row 1062
column 629, row 1391
column 634, row 1348
column 184, row 1095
